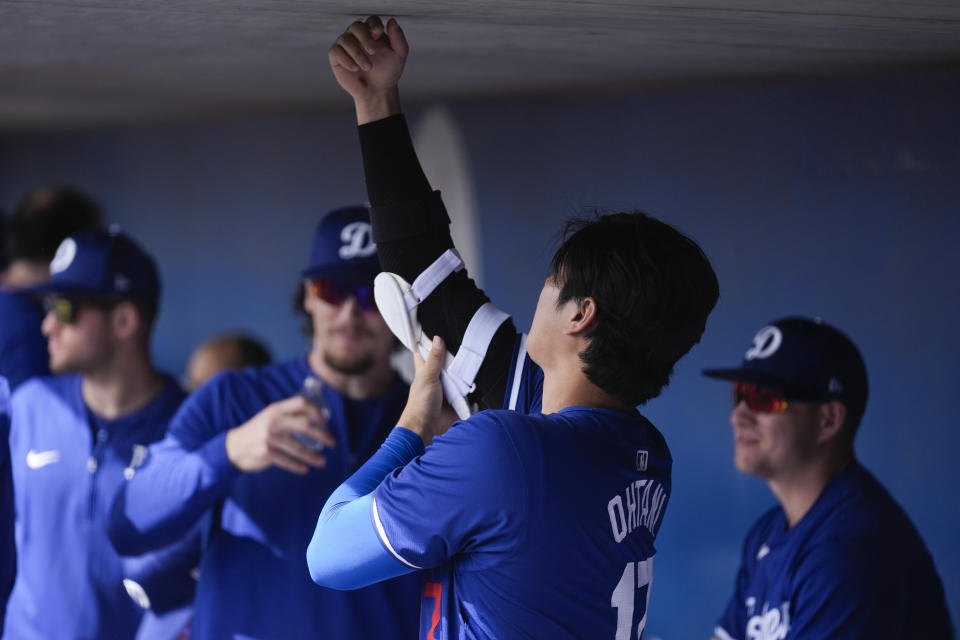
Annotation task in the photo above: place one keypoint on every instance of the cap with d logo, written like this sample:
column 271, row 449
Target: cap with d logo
column 343, row 247
column 805, row 359
column 102, row 263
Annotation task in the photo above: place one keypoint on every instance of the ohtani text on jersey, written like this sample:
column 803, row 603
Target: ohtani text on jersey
column 640, row 505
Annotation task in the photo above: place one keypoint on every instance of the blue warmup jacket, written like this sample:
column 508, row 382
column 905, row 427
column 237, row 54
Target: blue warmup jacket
column 253, row 579
column 8, row 553
column 68, row 464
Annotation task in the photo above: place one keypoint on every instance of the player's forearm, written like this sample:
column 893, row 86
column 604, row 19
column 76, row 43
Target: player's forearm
column 390, row 164
column 345, row 551
column 167, row 496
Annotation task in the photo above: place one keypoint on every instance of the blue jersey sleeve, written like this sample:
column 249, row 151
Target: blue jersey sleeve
column 345, row 551
column 165, row 580
column 182, row 476
column 465, row 493
column 8, row 552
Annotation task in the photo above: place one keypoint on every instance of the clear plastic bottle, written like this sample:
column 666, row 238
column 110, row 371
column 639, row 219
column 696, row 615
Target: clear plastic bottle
column 312, row 390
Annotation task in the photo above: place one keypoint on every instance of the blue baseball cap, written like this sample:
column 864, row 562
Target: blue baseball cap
column 805, row 359
column 343, row 247
column 101, row 263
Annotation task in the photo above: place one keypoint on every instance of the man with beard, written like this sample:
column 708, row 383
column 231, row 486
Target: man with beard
column 250, row 448
column 75, row 437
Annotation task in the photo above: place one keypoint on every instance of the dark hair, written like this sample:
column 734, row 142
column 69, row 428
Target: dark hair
column 653, row 288
column 44, row 218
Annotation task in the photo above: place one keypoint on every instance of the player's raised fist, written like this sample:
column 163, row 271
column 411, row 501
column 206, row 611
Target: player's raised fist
column 368, row 58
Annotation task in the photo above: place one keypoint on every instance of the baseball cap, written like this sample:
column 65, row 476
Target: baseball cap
column 805, row 359
column 343, row 247
column 101, row 263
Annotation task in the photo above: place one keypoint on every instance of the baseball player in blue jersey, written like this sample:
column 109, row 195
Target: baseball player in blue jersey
column 8, row 551
column 249, row 448
column 537, row 517
column 838, row 558
column 75, row 437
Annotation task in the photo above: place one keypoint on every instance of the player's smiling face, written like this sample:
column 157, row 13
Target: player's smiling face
column 350, row 339
column 774, row 445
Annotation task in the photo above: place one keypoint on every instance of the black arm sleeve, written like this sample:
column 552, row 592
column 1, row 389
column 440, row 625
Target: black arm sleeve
column 411, row 229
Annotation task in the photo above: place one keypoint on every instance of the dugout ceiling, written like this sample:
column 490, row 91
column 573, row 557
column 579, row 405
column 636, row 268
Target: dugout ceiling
column 80, row 62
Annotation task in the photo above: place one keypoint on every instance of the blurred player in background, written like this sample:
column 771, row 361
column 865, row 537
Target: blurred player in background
column 837, row 558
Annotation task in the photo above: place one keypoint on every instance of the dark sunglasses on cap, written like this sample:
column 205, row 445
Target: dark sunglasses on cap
column 66, row 310
column 336, row 292
column 758, row 399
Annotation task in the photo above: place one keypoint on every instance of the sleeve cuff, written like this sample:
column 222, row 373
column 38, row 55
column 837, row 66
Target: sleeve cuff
column 214, row 453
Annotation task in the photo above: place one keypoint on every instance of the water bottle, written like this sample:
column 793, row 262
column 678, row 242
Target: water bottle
column 312, row 390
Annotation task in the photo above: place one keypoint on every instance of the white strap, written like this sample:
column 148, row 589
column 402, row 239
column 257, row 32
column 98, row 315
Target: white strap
column 448, row 262
column 473, row 347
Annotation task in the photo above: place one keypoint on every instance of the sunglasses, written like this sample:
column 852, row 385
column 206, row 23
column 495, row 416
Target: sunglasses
column 336, row 293
column 758, row 399
column 66, row 310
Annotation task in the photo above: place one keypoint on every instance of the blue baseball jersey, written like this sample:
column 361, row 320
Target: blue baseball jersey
column 8, row 553
column 532, row 525
column 23, row 349
column 853, row 567
column 253, row 580
column 68, row 463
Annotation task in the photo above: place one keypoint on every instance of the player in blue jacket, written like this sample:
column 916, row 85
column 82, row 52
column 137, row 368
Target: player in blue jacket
column 252, row 450
column 74, row 439
column 8, row 551
column 38, row 225
column 838, row 558
column 536, row 522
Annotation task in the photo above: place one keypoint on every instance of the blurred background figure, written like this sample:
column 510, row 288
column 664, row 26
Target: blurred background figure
column 30, row 238
column 838, row 557
column 77, row 436
column 254, row 453
column 228, row 351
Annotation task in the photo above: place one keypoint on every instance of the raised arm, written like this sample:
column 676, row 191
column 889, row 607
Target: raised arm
column 410, row 224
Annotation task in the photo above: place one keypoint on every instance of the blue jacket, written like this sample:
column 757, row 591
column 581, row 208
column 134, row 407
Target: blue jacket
column 8, row 553
column 68, row 464
column 253, row 579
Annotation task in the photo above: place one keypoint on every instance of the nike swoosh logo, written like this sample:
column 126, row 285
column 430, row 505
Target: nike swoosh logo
column 37, row 459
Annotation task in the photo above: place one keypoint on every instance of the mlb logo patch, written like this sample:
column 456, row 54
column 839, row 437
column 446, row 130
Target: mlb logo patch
column 642, row 457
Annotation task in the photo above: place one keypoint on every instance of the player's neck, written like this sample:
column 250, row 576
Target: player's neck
column 798, row 491
column 568, row 386
column 121, row 386
column 372, row 383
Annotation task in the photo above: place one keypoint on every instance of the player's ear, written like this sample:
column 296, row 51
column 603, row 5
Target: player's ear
column 125, row 320
column 832, row 416
column 584, row 317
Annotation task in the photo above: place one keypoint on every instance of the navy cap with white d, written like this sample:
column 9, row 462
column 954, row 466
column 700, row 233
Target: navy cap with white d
column 343, row 247
column 102, row 264
column 805, row 359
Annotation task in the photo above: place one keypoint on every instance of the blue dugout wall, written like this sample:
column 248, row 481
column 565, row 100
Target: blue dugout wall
column 838, row 199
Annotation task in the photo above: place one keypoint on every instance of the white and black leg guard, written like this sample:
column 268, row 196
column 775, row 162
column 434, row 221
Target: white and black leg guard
column 399, row 301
